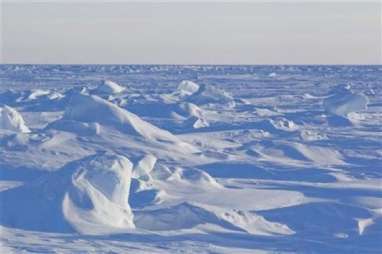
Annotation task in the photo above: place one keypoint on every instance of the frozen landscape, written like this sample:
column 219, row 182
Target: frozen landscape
column 190, row 159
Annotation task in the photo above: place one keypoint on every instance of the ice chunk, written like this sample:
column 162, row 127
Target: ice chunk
column 97, row 201
column 110, row 87
column 343, row 101
column 12, row 120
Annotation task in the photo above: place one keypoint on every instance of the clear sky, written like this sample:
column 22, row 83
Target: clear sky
column 191, row 33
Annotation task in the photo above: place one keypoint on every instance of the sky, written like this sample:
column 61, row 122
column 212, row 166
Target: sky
column 251, row 32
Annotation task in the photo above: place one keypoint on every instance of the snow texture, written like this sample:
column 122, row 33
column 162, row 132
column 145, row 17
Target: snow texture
column 196, row 159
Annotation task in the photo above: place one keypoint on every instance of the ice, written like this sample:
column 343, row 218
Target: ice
column 343, row 101
column 109, row 87
column 97, row 200
column 202, row 159
column 94, row 109
column 12, row 120
column 187, row 88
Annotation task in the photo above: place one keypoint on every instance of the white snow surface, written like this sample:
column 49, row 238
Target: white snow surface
column 190, row 159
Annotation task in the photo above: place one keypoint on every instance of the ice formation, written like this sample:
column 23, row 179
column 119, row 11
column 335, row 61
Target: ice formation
column 12, row 120
column 344, row 101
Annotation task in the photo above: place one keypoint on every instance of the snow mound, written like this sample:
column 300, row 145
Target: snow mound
column 343, row 101
column 97, row 201
column 109, row 87
column 12, row 120
column 91, row 108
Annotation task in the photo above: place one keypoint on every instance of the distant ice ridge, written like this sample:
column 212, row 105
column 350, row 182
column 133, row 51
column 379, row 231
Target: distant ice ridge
column 189, row 91
column 344, row 101
column 12, row 120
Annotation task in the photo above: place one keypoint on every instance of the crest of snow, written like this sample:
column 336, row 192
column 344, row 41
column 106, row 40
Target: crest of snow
column 343, row 101
column 12, row 120
column 110, row 87
column 97, row 202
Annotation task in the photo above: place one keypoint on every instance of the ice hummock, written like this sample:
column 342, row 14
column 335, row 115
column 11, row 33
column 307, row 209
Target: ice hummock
column 91, row 108
column 12, row 120
column 97, row 200
column 344, row 101
column 109, row 87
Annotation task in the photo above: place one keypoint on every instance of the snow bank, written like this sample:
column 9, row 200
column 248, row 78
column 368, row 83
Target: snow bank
column 97, row 201
column 343, row 101
column 109, row 87
column 12, row 120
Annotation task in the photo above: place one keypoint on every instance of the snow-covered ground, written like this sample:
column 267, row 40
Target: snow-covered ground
column 190, row 159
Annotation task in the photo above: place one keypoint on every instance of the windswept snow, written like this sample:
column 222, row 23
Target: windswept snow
column 196, row 159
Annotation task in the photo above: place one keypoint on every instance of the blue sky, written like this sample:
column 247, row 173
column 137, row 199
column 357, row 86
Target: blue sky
column 191, row 33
